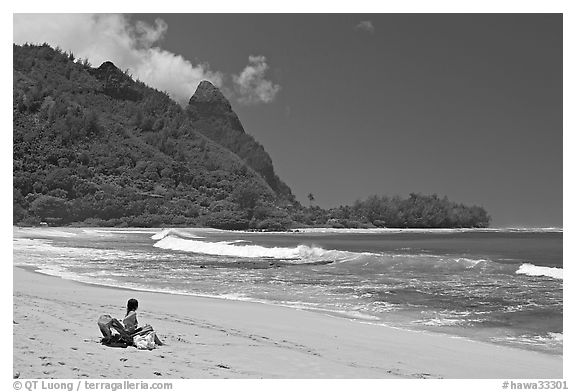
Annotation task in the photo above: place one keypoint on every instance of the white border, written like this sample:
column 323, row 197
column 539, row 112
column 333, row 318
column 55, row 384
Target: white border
column 259, row 6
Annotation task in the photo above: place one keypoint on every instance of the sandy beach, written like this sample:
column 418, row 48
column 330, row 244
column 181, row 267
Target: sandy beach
column 56, row 336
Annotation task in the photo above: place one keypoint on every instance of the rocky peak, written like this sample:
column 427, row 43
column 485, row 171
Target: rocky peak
column 108, row 71
column 108, row 66
column 209, row 97
column 116, row 83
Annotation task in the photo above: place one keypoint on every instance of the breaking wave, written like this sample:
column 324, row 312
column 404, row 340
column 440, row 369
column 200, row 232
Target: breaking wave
column 534, row 270
column 310, row 254
column 186, row 241
column 301, row 253
column 173, row 232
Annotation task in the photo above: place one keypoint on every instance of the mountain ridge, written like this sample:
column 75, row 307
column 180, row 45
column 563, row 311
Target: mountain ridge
column 212, row 115
column 92, row 146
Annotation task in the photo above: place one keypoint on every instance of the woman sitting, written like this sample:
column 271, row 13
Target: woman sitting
column 128, row 331
column 131, row 322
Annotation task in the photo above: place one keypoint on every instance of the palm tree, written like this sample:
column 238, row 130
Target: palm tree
column 311, row 198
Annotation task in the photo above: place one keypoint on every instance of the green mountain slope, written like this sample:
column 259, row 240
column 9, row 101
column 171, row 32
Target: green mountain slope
column 92, row 145
column 212, row 115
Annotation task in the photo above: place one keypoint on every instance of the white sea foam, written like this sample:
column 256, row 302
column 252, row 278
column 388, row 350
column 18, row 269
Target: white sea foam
column 471, row 263
column 554, row 339
column 350, row 314
column 161, row 234
column 42, row 232
column 439, row 322
column 534, row 270
column 422, row 261
column 118, row 231
column 556, row 336
column 171, row 240
column 300, row 253
column 173, row 232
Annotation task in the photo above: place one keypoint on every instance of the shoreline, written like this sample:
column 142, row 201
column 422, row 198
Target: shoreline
column 320, row 230
column 325, row 312
column 547, row 343
column 265, row 340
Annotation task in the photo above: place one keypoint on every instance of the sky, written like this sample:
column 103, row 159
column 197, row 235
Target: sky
column 350, row 105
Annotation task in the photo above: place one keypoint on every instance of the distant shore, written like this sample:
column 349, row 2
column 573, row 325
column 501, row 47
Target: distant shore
column 315, row 229
column 55, row 335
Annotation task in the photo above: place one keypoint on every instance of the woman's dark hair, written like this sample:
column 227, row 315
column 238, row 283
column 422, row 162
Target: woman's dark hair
column 132, row 305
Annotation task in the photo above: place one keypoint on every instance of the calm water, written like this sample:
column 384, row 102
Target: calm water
column 503, row 286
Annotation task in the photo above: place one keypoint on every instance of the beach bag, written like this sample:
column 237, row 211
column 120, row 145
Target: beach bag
column 145, row 342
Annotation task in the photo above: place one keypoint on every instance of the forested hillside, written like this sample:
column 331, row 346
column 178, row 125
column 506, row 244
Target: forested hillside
column 213, row 116
column 92, row 146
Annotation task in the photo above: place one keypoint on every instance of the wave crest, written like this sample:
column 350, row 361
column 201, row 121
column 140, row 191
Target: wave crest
column 173, row 232
column 534, row 270
column 301, row 253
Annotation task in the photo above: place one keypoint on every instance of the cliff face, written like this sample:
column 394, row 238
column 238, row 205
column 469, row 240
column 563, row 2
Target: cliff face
column 212, row 115
column 92, row 145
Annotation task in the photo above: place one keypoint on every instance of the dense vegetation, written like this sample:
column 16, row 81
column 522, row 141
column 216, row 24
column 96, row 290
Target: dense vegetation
column 212, row 115
column 94, row 147
column 416, row 211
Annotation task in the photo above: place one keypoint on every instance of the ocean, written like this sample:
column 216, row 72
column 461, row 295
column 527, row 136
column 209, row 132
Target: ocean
column 494, row 285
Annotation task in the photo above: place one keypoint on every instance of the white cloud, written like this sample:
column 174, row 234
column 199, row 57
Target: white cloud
column 250, row 85
column 366, row 26
column 128, row 44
